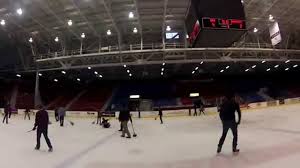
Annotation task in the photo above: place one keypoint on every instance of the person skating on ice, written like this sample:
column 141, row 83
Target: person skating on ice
column 27, row 113
column 99, row 116
column 61, row 115
column 7, row 111
column 124, row 117
column 160, row 113
column 41, row 125
column 56, row 115
column 227, row 116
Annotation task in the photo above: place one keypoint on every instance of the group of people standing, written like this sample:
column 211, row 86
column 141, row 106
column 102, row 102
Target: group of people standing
column 227, row 112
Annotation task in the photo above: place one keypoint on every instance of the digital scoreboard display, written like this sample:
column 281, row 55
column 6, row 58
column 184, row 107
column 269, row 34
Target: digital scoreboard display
column 217, row 23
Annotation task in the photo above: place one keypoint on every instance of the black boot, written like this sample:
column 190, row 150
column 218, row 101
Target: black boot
column 235, row 150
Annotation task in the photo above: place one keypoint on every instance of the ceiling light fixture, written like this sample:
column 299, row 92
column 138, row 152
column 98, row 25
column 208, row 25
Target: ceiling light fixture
column 227, row 67
column 18, row 75
column 78, row 79
column 271, row 18
column 131, row 15
column 255, row 30
column 168, row 28
column 90, row 68
column 96, row 73
column 63, row 72
column 276, row 66
column 82, row 35
column 56, row 39
column 40, row 74
column 55, row 80
column 254, row 66
column 286, row 69
column 19, row 11
column 70, row 22
column 222, row 71
column 124, row 66
column 108, row 32
column 295, row 66
column 135, row 30
column 2, row 22
column 287, row 61
column 30, row 40
column 269, row 69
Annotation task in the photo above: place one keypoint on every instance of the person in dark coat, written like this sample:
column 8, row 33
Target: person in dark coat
column 99, row 116
column 56, row 115
column 41, row 124
column 198, row 104
column 27, row 113
column 160, row 113
column 227, row 115
column 124, row 117
column 61, row 115
column 7, row 111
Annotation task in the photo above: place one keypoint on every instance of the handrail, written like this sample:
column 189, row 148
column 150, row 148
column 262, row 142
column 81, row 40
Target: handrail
column 136, row 47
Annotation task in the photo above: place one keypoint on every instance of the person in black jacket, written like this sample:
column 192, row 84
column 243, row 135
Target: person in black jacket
column 41, row 123
column 124, row 117
column 227, row 115
column 160, row 113
column 7, row 112
column 99, row 116
column 27, row 113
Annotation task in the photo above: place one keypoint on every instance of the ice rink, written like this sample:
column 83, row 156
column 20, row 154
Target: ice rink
column 268, row 138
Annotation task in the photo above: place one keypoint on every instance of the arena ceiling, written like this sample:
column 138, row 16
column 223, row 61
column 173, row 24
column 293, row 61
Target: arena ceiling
column 44, row 20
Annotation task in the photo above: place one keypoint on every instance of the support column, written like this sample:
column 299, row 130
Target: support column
column 184, row 37
column 37, row 97
column 142, row 43
column 81, row 45
column 164, row 41
column 100, row 45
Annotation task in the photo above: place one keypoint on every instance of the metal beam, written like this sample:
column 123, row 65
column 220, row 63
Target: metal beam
column 182, row 61
column 164, row 22
column 201, row 50
column 138, row 18
column 109, row 12
column 84, row 18
column 58, row 19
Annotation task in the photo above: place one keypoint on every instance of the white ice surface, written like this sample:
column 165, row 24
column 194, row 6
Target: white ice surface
column 268, row 138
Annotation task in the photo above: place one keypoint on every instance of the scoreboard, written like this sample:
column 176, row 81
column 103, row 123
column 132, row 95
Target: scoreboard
column 217, row 23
